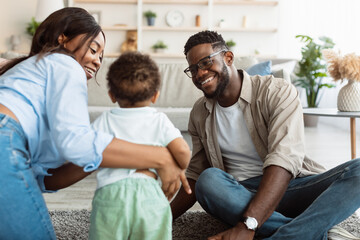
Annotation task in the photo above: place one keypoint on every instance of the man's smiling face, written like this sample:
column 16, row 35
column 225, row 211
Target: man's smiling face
column 214, row 79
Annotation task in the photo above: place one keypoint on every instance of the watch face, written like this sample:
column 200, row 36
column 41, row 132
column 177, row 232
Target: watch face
column 251, row 223
column 174, row 18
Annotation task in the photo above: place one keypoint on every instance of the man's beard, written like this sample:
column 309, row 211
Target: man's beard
column 223, row 82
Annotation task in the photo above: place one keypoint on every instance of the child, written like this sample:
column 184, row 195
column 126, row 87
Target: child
column 129, row 203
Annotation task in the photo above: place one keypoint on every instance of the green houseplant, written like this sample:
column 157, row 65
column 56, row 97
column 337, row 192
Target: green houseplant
column 231, row 44
column 32, row 26
column 312, row 68
column 150, row 17
column 159, row 46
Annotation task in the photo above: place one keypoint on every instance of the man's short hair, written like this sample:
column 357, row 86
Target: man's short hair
column 207, row 36
column 133, row 77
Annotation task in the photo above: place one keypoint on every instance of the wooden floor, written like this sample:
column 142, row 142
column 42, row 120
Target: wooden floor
column 325, row 144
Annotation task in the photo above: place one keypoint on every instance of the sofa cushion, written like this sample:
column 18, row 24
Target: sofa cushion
column 178, row 116
column 245, row 62
column 287, row 66
column 262, row 69
column 177, row 89
column 11, row 55
column 97, row 88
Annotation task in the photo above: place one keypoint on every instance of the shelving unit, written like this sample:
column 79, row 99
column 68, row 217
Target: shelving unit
column 204, row 2
column 209, row 10
column 175, row 29
column 248, row 2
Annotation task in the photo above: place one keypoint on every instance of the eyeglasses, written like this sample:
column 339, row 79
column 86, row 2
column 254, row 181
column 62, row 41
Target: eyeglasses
column 204, row 64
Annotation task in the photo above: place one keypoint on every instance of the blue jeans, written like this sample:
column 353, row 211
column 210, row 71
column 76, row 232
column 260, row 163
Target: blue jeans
column 308, row 209
column 23, row 212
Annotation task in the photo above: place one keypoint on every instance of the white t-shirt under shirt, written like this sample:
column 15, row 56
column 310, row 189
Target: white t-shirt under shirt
column 238, row 151
column 144, row 125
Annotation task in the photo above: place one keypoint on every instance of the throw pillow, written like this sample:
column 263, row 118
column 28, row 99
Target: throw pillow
column 11, row 55
column 262, row 69
column 287, row 66
column 245, row 62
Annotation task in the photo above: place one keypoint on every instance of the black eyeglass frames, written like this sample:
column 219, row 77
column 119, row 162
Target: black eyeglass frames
column 204, row 63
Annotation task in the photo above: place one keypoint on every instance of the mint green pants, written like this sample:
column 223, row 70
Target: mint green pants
column 131, row 209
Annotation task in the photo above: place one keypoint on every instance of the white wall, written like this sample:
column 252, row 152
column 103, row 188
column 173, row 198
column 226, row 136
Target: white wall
column 337, row 19
column 15, row 14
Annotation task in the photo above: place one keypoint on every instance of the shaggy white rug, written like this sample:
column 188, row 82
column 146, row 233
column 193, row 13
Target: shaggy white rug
column 193, row 225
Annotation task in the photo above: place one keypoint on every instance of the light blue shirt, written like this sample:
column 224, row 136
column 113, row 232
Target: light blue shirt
column 49, row 97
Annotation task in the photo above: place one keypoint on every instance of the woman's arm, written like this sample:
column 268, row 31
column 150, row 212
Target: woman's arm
column 118, row 154
column 64, row 176
column 123, row 154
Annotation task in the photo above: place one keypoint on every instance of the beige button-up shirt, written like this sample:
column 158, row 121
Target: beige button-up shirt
column 274, row 118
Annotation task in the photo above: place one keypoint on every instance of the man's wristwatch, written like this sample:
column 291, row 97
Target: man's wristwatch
column 251, row 223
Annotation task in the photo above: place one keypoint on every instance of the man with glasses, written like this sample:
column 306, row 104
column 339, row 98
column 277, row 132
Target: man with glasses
column 248, row 165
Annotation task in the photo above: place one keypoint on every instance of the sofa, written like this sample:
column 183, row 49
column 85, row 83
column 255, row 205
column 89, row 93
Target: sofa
column 177, row 92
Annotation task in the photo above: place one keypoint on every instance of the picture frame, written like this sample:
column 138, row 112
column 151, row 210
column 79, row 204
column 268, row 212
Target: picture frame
column 96, row 15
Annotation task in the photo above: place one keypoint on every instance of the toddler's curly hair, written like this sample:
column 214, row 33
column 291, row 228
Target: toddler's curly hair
column 133, row 77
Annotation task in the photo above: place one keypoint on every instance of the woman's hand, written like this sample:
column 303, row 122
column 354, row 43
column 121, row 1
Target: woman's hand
column 123, row 154
column 171, row 175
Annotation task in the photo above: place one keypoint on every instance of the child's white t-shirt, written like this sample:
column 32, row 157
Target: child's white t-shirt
column 144, row 125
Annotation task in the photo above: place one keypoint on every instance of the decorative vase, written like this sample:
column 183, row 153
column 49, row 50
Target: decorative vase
column 349, row 97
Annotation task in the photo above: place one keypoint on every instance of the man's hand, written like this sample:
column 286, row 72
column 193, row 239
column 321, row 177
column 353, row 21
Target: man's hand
column 239, row 232
column 171, row 175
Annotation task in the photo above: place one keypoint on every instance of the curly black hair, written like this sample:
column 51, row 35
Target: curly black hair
column 133, row 77
column 207, row 36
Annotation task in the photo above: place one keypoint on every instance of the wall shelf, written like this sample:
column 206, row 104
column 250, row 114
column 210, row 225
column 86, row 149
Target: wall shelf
column 241, row 17
column 173, row 29
column 118, row 28
column 106, row 1
column 197, row 2
column 248, row 2
column 155, row 55
column 253, row 30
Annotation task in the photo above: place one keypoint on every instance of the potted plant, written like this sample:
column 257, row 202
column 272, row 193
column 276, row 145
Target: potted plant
column 150, row 17
column 231, row 45
column 312, row 68
column 341, row 68
column 159, row 46
column 32, row 26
